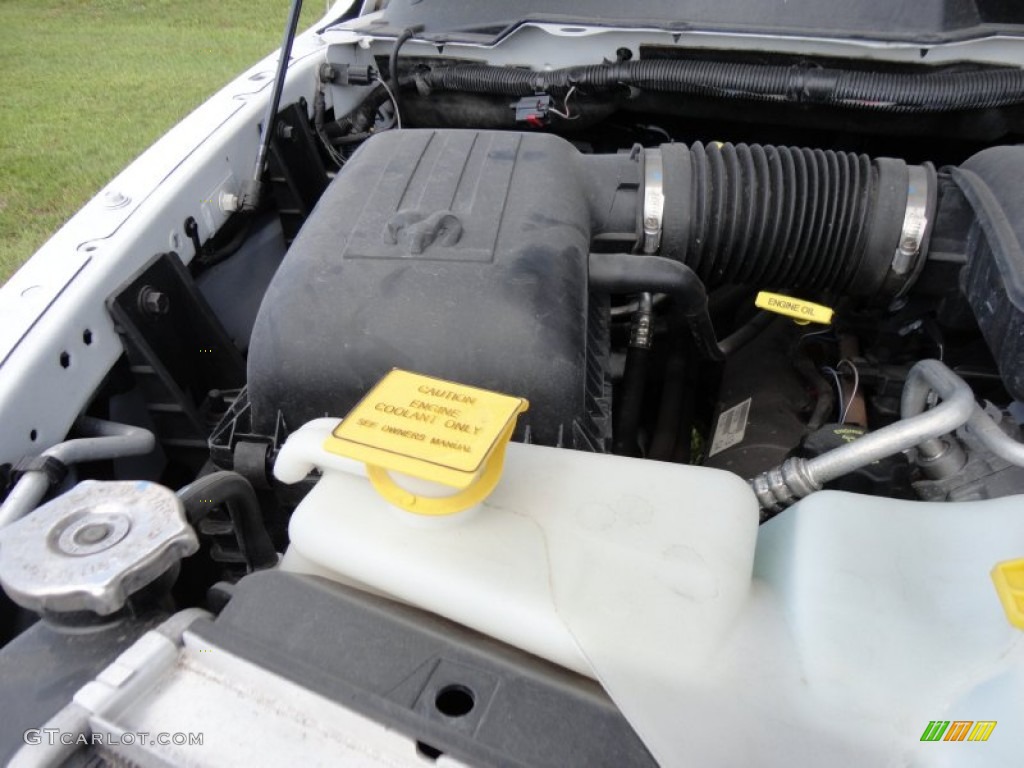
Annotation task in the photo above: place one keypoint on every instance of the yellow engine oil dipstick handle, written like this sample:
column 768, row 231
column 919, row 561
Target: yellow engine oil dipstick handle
column 802, row 312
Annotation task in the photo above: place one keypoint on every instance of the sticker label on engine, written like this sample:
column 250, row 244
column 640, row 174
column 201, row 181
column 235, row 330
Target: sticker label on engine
column 731, row 427
column 425, row 427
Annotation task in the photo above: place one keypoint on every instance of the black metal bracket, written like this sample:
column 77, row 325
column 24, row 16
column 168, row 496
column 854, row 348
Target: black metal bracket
column 179, row 354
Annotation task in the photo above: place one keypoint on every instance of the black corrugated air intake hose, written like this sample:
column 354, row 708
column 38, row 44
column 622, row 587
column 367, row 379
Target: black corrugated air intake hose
column 807, row 221
column 943, row 91
column 795, row 219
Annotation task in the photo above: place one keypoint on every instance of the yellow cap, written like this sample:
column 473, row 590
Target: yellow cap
column 802, row 312
column 1009, row 580
column 431, row 429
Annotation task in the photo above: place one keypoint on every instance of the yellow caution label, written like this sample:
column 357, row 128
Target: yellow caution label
column 431, row 429
column 1009, row 580
column 801, row 311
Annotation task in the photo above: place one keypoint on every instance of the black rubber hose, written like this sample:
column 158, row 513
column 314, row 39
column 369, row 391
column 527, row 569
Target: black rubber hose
column 746, row 332
column 237, row 494
column 682, row 453
column 878, row 91
column 633, row 273
column 631, row 400
column 629, row 408
column 673, row 389
column 393, row 63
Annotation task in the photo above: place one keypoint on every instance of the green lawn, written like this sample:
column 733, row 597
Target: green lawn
column 88, row 85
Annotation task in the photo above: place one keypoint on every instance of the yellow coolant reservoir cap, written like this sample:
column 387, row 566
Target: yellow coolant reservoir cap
column 439, row 431
column 1009, row 580
column 802, row 312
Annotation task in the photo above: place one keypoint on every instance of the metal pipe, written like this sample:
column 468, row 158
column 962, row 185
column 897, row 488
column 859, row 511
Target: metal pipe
column 993, row 438
column 915, row 425
column 107, row 440
column 776, row 489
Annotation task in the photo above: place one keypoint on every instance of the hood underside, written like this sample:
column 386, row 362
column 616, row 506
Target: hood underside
column 925, row 22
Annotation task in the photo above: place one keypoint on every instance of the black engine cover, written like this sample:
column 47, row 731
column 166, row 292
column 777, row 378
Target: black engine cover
column 457, row 254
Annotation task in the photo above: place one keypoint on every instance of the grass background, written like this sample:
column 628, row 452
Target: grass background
column 87, row 85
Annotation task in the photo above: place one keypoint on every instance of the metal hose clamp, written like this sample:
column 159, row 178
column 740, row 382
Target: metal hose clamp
column 915, row 221
column 654, row 200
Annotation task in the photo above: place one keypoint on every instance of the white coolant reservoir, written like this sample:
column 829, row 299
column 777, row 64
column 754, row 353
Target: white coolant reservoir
column 628, row 571
column 574, row 556
column 656, row 556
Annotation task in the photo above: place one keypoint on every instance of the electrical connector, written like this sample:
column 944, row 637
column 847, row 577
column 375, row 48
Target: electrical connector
column 533, row 110
column 347, row 74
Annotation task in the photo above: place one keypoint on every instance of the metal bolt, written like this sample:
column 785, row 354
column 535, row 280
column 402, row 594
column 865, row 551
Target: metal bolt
column 328, row 74
column 285, row 131
column 230, row 202
column 153, row 302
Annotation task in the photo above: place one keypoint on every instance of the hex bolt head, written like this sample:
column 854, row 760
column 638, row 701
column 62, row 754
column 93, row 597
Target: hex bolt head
column 153, row 302
column 328, row 74
column 229, row 202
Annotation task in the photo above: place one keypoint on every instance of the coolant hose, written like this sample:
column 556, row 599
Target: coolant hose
column 237, row 494
column 633, row 273
column 909, row 92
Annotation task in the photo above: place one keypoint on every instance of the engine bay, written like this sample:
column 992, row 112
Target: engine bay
column 651, row 299
column 764, row 313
